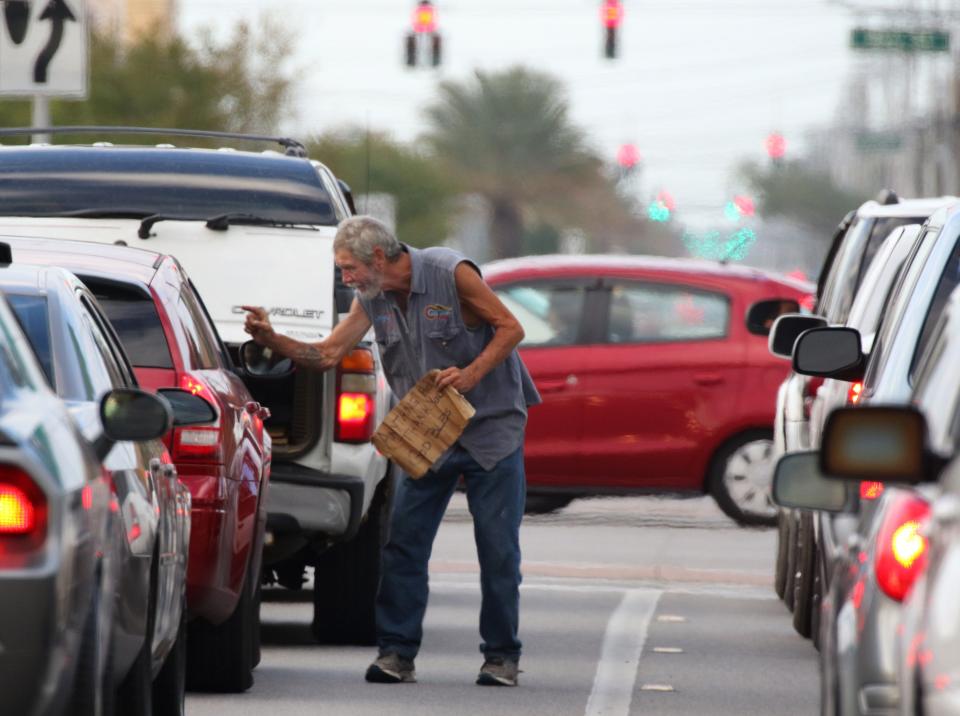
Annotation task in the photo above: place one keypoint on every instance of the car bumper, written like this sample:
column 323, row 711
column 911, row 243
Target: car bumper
column 33, row 660
column 304, row 505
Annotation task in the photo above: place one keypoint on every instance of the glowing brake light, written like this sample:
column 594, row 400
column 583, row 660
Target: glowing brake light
column 17, row 514
column 23, row 512
column 356, row 406
column 901, row 548
column 853, row 395
column 871, row 490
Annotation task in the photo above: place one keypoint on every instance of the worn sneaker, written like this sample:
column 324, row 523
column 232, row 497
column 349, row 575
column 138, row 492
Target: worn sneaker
column 391, row 668
column 498, row 671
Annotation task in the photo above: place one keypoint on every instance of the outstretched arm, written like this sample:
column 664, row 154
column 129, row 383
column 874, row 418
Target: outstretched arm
column 315, row 356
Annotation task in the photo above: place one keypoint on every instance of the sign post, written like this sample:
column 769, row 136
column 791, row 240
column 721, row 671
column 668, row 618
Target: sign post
column 43, row 53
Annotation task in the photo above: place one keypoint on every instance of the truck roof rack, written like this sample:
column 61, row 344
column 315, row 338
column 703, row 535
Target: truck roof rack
column 291, row 147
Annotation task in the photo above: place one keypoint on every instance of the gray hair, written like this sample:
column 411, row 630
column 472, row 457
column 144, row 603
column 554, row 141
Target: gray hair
column 360, row 235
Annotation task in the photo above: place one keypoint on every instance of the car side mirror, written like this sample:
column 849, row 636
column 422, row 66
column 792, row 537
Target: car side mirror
column 264, row 362
column 131, row 414
column 762, row 314
column 786, row 329
column 830, row 353
column 878, row 443
column 188, row 408
column 798, row 483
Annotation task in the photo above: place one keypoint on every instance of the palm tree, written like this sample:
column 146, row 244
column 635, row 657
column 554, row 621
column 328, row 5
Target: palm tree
column 509, row 138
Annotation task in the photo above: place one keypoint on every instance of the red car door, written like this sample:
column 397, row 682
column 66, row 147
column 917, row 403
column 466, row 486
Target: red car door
column 551, row 313
column 661, row 386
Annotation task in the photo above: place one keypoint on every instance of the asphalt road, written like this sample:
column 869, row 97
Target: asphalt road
column 629, row 606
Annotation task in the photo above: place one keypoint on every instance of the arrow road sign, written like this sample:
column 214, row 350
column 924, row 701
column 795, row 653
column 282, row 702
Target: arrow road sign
column 57, row 12
column 44, row 50
column 17, row 13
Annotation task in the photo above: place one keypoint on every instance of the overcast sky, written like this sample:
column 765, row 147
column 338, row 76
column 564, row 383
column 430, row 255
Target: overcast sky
column 698, row 86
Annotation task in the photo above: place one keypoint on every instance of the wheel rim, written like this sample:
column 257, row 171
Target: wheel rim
column 748, row 476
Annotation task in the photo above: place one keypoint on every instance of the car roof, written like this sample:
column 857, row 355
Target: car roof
column 589, row 263
column 80, row 256
column 51, row 179
column 906, row 208
column 30, row 278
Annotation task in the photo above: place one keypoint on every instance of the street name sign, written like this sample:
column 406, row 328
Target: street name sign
column 43, row 48
column 900, row 40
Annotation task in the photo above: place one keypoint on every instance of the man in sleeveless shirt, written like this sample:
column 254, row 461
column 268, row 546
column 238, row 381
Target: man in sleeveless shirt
column 430, row 309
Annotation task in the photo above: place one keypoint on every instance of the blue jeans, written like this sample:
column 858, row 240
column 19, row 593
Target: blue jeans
column 496, row 499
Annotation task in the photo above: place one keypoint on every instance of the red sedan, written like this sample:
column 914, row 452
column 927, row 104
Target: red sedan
column 651, row 378
column 171, row 342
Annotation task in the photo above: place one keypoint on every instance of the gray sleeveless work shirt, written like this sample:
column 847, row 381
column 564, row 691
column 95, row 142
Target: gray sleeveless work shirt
column 431, row 334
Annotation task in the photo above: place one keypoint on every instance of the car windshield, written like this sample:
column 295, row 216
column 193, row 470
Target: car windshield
column 34, row 317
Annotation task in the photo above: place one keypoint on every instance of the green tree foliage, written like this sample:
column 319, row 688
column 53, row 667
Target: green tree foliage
column 375, row 164
column 798, row 192
column 508, row 137
column 231, row 86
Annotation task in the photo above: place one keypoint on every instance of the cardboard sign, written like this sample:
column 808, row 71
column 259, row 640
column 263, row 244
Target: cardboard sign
column 423, row 425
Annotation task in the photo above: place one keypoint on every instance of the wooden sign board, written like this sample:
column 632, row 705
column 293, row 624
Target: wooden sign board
column 423, row 425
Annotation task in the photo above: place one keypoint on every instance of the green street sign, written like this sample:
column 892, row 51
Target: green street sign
column 900, row 40
column 870, row 142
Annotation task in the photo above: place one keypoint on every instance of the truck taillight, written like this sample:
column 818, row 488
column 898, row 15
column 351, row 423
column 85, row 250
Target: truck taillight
column 198, row 443
column 901, row 549
column 356, row 393
column 853, row 395
column 23, row 511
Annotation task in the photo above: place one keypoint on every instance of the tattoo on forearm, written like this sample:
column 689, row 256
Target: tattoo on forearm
column 309, row 357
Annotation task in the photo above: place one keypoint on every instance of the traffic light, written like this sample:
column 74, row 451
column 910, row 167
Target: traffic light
column 776, row 146
column 740, row 208
column 425, row 18
column 628, row 156
column 424, row 38
column 611, row 13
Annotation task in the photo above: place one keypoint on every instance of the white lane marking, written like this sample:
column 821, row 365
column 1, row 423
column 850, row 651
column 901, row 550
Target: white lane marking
column 601, row 587
column 620, row 656
column 667, row 650
column 657, row 687
column 671, row 619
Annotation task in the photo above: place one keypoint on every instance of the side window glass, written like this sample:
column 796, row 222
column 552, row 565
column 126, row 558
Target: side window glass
column 206, row 335
column 118, row 377
column 198, row 347
column 646, row 313
column 551, row 314
column 948, row 281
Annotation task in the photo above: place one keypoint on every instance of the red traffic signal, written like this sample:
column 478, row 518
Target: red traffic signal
column 612, row 13
column 628, row 156
column 745, row 205
column 425, row 18
column 776, row 145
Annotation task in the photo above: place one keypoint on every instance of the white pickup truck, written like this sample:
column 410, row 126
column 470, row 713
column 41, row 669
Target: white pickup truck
column 251, row 228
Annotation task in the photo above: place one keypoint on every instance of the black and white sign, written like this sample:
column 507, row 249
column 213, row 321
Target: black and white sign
column 43, row 48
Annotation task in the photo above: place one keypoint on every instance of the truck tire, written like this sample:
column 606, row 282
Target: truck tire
column 803, row 585
column 347, row 576
column 220, row 657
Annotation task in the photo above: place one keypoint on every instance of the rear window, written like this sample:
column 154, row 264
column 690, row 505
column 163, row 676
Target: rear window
column 34, row 318
column 136, row 321
column 180, row 183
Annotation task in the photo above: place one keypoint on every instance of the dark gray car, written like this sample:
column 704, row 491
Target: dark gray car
column 60, row 536
column 83, row 359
